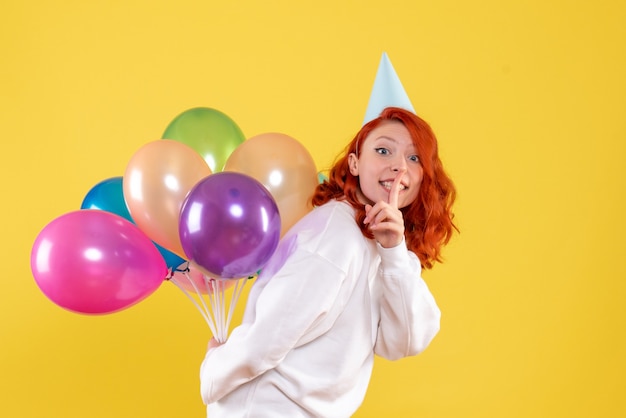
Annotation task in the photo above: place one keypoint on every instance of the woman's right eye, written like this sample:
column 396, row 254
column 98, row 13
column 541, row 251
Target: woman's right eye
column 382, row 151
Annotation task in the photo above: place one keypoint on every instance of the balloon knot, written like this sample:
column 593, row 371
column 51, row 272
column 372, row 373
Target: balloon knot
column 186, row 269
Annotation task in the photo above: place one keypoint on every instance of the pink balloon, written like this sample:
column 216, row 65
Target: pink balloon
column 95, row 262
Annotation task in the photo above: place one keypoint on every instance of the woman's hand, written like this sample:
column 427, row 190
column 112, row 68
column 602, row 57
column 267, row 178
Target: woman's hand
column 385, row 219
column 213, row 343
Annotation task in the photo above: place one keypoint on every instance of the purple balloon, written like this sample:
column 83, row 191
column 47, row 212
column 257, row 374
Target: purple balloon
column 229, row 225
column 95, row 262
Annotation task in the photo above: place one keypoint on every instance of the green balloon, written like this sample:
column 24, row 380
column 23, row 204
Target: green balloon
column 211, row 133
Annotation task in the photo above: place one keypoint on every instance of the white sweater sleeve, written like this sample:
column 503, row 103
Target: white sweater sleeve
column 409, row 316
column 295, row 302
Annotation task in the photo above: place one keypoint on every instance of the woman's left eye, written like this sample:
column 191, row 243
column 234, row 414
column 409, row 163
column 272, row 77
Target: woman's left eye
column 414, row 158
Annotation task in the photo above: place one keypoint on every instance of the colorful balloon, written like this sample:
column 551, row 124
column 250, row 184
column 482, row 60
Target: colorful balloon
column 108, row 195
column 211, row 133
column 95, row 262
column 284, row 166
column 229, row 225
column 156, row 182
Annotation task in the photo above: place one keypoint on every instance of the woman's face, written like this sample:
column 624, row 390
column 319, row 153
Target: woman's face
column 388, row 151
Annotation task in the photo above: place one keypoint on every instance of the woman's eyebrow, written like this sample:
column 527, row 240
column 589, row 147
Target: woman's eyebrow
column 395, row 141
column 388, row 138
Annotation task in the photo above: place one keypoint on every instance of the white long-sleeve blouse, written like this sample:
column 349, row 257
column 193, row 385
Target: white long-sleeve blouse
column 326, row 302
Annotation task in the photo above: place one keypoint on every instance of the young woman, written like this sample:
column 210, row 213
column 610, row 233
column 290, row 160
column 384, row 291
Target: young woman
column 344, row 284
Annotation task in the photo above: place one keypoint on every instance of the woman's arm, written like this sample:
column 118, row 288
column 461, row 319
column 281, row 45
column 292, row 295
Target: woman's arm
column 409, row 315
column 289, row 306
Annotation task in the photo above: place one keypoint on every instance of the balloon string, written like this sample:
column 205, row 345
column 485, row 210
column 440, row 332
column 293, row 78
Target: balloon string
column 209, row 285
column 212, row 289
column 239, row 285
column 206, row 317
column 211, row 297
column 215, row 313
column 195, row 288
column 215, row 330
column 222, row 293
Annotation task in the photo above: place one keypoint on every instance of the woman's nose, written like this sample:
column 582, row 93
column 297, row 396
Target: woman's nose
column 398, row 164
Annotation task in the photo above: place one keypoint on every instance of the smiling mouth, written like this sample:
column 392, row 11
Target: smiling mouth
column 387, row 185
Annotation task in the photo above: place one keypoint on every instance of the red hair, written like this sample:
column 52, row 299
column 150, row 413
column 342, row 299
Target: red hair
column 428, row 221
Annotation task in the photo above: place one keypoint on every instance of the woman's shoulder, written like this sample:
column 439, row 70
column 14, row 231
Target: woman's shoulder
column 327, row 234
column 333, row 214
column 330, row 225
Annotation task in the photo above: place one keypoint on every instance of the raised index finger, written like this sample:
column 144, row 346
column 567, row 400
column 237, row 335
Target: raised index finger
column 395, row 189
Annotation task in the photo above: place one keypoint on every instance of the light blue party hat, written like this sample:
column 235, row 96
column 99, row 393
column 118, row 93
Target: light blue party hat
column 387, row 91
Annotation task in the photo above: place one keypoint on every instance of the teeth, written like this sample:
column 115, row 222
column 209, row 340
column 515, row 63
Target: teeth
column 388, row 184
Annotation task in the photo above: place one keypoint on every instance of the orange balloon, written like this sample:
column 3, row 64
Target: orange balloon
column 156, row 181
column 284, row 166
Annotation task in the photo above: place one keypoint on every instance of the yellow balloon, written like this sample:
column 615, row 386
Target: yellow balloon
column 156, row 182
column 284, row 166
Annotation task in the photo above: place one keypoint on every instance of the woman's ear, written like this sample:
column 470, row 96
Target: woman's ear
column 353, row 164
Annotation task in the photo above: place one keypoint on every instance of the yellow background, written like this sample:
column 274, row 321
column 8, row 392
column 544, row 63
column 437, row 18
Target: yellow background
column 527, row 99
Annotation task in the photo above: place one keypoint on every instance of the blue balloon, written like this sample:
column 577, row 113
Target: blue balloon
column 108, row 195
column 172, row 260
